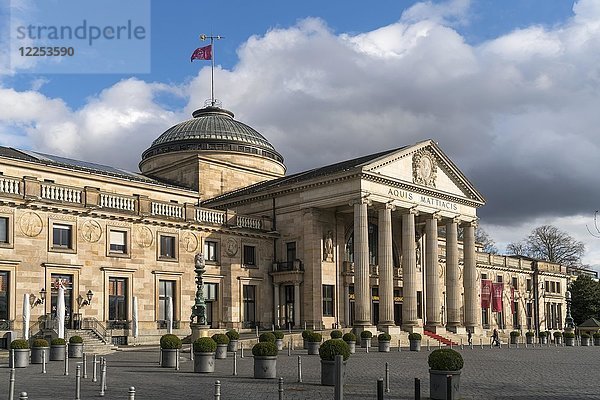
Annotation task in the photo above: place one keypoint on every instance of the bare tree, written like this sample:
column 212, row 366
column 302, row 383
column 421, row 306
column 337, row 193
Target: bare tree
column 549, row 243
column 489, row 245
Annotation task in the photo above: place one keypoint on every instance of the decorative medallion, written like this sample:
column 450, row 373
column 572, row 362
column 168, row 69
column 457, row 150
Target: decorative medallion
column 31, row 224
column 189, row 241
column 143, row 236
column 231, row 247
column 424, row 168
column 91, row 231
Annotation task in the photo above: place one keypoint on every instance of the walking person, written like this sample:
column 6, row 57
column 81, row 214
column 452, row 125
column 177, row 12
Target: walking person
column 469, row 337
column 495, row 339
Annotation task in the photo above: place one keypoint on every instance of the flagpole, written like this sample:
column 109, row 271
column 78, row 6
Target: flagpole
column 212, row 65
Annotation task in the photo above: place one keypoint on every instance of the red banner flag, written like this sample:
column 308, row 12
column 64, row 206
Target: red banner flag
column 202, row 53
column 486, row 293
column 497, row 289
column 512, row 299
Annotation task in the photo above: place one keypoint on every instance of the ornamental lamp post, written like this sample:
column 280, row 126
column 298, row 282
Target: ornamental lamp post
column 199, row 328
column 569, row 324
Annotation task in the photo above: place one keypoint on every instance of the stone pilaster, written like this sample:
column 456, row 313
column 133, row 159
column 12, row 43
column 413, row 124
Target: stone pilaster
column 297, row 304
column 452, row 280
column 470, row 277
column 276, row 319
column 362, row 289
column 386, row 267
column 432, row 278
column 409, row 272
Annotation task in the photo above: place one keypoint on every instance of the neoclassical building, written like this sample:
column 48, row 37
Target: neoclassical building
column 385, row 241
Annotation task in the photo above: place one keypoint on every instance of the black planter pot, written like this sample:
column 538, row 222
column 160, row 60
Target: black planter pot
column 313, row 348
column 57, row 352
column 265, row 367
column 438, row 384
column 75, row 350
column 168, row 358
column 21, row 357
column 221, row 352
column 328, row 372
column 204, row 363
column 36, row 354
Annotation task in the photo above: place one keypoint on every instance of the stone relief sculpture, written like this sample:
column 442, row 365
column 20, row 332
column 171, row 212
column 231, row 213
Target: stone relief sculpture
column 328, row 250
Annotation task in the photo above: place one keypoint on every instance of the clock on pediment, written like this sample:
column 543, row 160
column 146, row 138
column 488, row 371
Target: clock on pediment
column 424, row 168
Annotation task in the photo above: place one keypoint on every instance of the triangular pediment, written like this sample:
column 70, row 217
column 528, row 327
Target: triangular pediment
column 424, row 165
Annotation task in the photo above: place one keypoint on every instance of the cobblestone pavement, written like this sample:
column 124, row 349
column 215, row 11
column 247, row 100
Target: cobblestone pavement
column 532, row 373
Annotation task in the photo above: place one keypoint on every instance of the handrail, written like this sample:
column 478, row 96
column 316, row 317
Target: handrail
column 92, row 324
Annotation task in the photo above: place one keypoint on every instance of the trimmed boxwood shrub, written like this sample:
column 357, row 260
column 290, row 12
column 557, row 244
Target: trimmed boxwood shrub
column 205, row 345
column 278, row 334
column 585, row 335
column 445, row 360
column 315, row 337
column 305, row 334
column 333, row 347
column 336, row 334
column 542, row 334
column 529, row 334
column 384, row 337
column 264, row 349
column 220, row 338
column 40, row 343
column 515, row 334
column 58, row 342
column 170, row 341
column 569, row 335
column 233, row 334
column 19, row 344
column 414, row 336
column 75, row 339
column 557, row 334
column 596, row 335
column 366, row 335
column 267, row 337
column 349, row 337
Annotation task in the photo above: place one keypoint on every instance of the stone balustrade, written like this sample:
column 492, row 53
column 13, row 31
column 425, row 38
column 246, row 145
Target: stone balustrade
column 51, row 191
column 10, row 185
column 248, row 222
column 169, row 210
column 206, row 215
column 117, row 202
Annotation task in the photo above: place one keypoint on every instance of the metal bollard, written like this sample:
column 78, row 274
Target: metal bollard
column 94, row 369
column 23, row 396
column 280, row 389
column 462, row 347
column 84, row 366
column 491, row 343
column 427, row 344
column 43, row 361
column 380, row 389
column 417, row 389
column 517, row 344
column 11, row 384
column 217, row 390
column 338, row 391
column 12, row 358
column 367, row 348
column 290, row 348
column 159, row 356
column 272, row 328
column 191, row 352
column 304, row 325
column 450, row 344
column 66, row 363
column 399, row 344
column 439, row 344
column 234, row 363
column 105, row 372
column 387, row 377
column 481, row 342
column 299, row 369
column 241, row 349
column 132, row 393
column 78, row 382
column 257, row 331
column 176, row 359
column 102, row 377
column 449, row 387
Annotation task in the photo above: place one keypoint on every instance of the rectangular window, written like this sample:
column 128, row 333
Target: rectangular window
column 210, row 291
column 4, row 295
column 166, row 289
column 249, row 256
column 4, row 238
column 515, row 282
column 499, row 279
column 62, row 236
column 118, row 242
column 483, row 276
column 290, row 251
column 328, row 301
column 167, row 247
column 516, row 315
column 249, row 296
column 210, row 251
column 558, row 287
column 529, row 285
column 547, row 284
column 419, row 304
column 117, row 299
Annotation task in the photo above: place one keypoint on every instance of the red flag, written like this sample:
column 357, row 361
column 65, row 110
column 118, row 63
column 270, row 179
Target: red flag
column 497, row 289
column 202, row 53
column 486, row 293
column 512, row 299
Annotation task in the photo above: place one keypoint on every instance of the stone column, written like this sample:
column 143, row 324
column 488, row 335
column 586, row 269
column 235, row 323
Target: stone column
column 362, row 289
column 432, row 277
column 386, row 267
column 470, row 277
column 297, row 304
column 452, row 283
column 409, row 272
column 276, row 304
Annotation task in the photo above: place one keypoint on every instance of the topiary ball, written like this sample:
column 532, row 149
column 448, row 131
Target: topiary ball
column 315, row 337
column 233, row 334
column 445, row 360
column 585, row 335
column 264, row 349
column 515, row 334
column 349, row 337
column 305, row 334
column 58, row 342
column 336, row 334
column 366, row 335
column 40, row 343
column 19, row 344
column 333, row 347
column 384, row 337
column 278, row 335
column 75, row 339
column 267, row 337
column 414, row 336
column 170, row 341
column 205, row 345
column 569, row 335
column 220, row 338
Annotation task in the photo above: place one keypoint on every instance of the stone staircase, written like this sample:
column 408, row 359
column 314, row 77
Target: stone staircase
column 92, row 344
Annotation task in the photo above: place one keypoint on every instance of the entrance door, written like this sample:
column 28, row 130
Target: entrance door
column 398, row 313
column 67, row 282
column 289, row 306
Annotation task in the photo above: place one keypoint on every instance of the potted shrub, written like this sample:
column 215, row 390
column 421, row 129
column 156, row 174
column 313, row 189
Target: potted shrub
column 267, row 337
column 569, row 338
column 336, row 334
column 75, row 347
column 265, row 360
column 529, row 337
column 327, row 351
column 314, row 340
column 585, row 339
column 350, row 339
column 557, row 337
column 365, row 339
column 415, row 341
column 222, row 341
column 383, row 342
column 169, row 344
column 444, row 362
column 58, row 348
column 543, row 338
column 596, row 338
column 514, row 337
column 279, row 340
column 305, row 334
column 20, row 348
column 204, row 355
column 38, row 347
column 234, row 338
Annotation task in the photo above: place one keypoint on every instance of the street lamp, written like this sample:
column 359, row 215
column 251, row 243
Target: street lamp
column 35, row 301
column 87, row 301
column 569, row 324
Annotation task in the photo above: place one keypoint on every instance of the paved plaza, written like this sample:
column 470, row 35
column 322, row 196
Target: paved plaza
column 524, row 373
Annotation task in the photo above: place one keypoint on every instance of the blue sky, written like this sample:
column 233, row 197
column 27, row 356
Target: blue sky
column 509, row 89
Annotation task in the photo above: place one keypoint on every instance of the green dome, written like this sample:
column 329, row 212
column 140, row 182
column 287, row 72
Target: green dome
column 212, row 128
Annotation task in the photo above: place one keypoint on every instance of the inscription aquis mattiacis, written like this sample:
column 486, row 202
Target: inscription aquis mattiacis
column 429, row 201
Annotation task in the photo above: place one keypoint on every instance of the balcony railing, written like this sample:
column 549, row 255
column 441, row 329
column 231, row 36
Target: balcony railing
column 10, row 185
column 116, row 202
column 248, row 222
column 168, row 210
column 282, row 266
column 206, row 215
column 50, row 191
